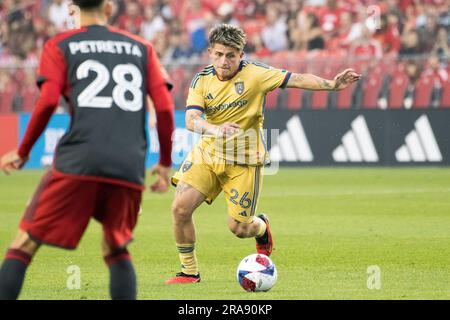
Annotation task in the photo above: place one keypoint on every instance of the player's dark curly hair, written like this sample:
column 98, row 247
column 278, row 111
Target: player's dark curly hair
column 88, row 4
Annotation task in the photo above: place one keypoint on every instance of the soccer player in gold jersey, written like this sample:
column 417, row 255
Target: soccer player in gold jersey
column 225, row 105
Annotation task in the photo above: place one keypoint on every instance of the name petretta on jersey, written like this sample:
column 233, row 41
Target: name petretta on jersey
column 102, row 46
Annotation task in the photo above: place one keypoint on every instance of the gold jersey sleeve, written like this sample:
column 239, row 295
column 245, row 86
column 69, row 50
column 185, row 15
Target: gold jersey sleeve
column 270, row 78
column 196, row 98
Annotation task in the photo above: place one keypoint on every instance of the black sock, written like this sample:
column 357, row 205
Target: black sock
column 122, row 278
column 12, row 273
column 264, row 238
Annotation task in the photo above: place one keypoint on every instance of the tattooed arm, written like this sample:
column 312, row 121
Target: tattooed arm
column 196, row 123
column 313, row 82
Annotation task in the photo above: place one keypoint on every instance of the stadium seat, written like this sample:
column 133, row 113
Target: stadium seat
column 445, row 99
column 298, row 61
column 377, row 68
column 282, row 60
column 397, row 89
column 423, row 91
column 337, row 64
column 344, row 97
column 294, row 99
column 319, row 100
column 371, row 89
column 361, row 66
column 388, row 64
column 272, row 99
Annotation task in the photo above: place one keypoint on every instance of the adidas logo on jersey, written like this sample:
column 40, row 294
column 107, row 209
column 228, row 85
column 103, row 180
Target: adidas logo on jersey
column 243, row 213
column 292, row 144
column 357, row 144
column 420, row 144
column 209, row 97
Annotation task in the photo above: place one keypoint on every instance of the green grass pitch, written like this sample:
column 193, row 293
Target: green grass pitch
column 329, row 226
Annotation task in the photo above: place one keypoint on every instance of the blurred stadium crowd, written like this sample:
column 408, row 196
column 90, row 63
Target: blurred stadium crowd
column 401, row 46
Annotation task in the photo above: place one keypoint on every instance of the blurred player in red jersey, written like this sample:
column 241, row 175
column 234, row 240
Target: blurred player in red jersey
column 105, row 75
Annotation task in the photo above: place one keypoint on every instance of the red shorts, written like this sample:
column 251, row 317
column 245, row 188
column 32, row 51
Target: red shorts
column 62, row 207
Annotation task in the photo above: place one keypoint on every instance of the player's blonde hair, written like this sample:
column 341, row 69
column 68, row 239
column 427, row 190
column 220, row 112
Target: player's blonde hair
column 228, row 35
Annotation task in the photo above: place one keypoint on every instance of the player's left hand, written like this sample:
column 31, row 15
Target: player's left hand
column 162, row 178
column 11, row 161
column 345, row 78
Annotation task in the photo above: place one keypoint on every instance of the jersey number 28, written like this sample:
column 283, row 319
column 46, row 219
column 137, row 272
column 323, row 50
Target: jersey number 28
column 89, row 97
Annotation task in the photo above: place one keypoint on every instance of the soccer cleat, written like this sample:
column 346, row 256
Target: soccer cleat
column 264, row 244
column 181, row 278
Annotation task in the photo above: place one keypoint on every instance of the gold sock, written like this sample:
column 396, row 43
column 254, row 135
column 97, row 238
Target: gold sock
column 188, row 260
column 262, row 228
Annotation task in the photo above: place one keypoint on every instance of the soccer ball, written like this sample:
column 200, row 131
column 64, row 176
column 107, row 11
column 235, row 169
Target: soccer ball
column 257, row 272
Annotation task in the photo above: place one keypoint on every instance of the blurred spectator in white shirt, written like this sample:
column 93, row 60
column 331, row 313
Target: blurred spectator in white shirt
column 58, row 13
column 225, row 12
column 152, row 24
column 366, row 47
column 274, row 33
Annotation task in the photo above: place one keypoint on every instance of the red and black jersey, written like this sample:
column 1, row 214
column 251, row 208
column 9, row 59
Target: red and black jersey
column 105, row 75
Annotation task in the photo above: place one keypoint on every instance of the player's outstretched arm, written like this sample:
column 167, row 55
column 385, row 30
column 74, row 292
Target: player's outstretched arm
column 313, row 82
column 196, row 123
column 162, row 174
column 164, row 114
column 43, row 110
column 158, row 89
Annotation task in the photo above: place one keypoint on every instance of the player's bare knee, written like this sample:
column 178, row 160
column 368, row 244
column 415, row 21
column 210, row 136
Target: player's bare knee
column 240, row 230
column 24, row 243
column 240, row 234
column 108, row 251
column 181, row 212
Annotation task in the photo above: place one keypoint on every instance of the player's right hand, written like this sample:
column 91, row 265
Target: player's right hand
column 11, row 161
column 162, row 178
column 228, row 129
column 345, row 78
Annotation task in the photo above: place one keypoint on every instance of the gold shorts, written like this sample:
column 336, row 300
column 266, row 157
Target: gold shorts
column 209, row 175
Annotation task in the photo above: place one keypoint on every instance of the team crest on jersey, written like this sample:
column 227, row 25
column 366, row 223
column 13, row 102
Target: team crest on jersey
column 186, row 166
column 239, row 87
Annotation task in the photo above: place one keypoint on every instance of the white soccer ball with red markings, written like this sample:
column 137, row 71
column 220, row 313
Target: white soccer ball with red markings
column 257, row 272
